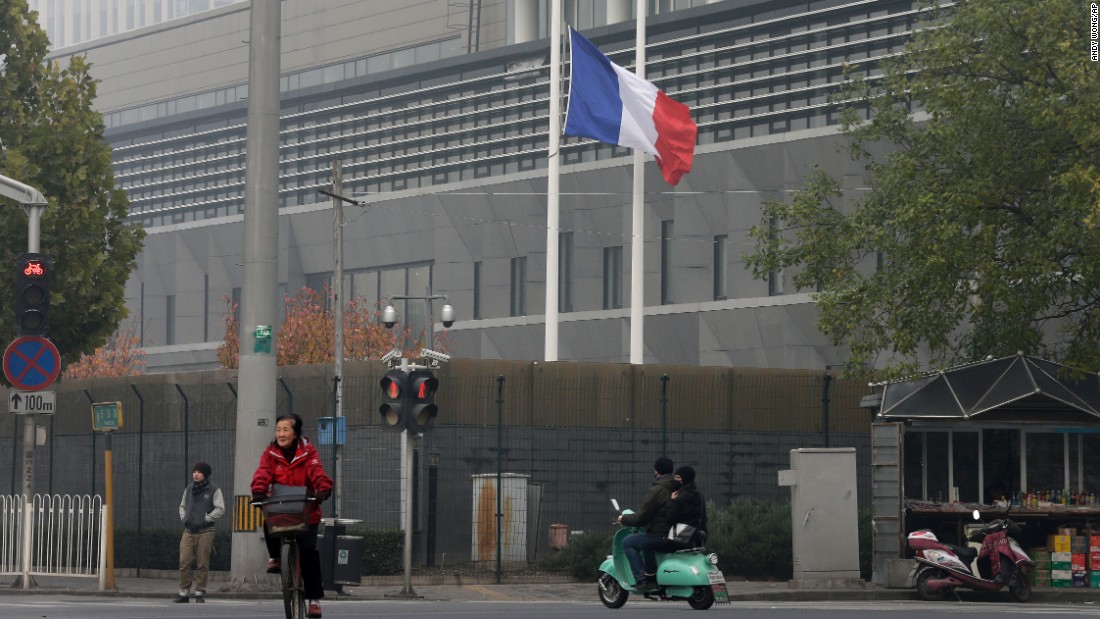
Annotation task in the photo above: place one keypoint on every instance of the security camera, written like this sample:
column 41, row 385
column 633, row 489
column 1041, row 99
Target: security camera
column 448, row 315
column 389, row 317
column 428, row 353
column 393, row 354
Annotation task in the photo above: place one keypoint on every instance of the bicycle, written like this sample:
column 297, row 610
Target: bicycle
column 287, row 515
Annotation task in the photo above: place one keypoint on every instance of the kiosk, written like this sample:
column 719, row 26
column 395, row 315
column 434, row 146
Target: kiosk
column 1001, row 435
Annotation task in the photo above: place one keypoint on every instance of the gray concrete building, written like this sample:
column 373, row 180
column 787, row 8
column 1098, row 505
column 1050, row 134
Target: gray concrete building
column 438, row 112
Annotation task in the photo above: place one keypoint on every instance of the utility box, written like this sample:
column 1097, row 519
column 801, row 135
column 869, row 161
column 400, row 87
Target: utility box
column 824, row 513
column 512, row 502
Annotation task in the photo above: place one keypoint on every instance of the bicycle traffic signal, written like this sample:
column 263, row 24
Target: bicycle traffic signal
column 392, row 410
column 422, row 409
column 32, row 293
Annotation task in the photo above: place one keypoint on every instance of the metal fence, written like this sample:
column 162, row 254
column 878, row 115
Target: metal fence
column 66, row 536
column 568, row 435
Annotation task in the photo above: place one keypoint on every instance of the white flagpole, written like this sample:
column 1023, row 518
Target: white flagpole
column 552, row 210
column 637, row 245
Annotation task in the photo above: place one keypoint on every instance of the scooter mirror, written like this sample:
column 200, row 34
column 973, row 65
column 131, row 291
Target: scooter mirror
column 615, row 504
column 977, row 515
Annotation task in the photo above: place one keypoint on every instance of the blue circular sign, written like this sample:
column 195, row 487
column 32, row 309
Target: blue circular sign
column 31, row 363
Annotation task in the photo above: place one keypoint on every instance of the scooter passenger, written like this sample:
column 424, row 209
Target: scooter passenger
column 687, row 506
column 651, row 516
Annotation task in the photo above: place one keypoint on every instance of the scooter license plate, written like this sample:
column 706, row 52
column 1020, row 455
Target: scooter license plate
column 718, row 586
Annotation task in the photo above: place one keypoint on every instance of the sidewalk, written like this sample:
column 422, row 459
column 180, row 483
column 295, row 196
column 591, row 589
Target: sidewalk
column 161, row 586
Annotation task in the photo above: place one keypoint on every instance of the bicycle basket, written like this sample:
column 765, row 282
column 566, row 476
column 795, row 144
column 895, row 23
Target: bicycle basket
column 288, row 512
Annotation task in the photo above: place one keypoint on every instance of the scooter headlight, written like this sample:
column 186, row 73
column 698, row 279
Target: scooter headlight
column 712, row 559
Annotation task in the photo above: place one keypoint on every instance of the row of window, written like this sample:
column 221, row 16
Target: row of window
column 737, row 87
column 290, row 82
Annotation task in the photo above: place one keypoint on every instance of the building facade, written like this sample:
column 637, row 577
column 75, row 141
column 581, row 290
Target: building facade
column 438, row 114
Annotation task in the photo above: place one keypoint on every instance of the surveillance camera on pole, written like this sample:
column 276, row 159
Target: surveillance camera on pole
column 447, row 316
column 389, row 317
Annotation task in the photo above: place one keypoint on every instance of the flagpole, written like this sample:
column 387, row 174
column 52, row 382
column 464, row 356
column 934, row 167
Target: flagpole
column 637, row 245
column 553, row 170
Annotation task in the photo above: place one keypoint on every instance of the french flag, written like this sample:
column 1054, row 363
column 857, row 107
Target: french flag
column 612, row 105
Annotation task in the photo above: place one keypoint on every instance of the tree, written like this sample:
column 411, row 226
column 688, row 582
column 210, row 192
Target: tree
column 54, row 142
column 307, row 334
column 977, row 234
column 119, row 356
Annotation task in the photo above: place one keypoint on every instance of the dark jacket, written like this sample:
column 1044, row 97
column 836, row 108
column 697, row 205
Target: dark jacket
column 651, row 514
column 199, row 510
column 689, row 507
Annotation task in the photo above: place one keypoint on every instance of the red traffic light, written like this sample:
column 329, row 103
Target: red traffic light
column 392, row 409
column 32, row 294
column 422, row 409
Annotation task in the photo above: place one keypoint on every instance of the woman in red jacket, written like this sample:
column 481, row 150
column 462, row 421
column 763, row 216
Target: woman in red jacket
column 291, row 460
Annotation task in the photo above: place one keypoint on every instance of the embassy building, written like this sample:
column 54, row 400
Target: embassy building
column 438, row 112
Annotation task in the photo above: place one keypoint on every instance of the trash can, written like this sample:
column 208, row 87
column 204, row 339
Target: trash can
column 559, row 536
column 341, row 555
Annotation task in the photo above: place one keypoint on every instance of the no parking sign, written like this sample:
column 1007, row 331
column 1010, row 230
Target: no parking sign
column 31, row 363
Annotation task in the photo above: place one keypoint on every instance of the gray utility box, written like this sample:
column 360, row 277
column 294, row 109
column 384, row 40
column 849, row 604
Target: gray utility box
column 824, row 514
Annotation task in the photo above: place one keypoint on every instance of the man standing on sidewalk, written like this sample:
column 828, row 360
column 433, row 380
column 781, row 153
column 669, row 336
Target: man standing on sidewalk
column 202, row 504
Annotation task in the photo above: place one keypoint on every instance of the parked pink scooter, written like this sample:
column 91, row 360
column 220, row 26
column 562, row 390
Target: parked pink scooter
column 997, row 562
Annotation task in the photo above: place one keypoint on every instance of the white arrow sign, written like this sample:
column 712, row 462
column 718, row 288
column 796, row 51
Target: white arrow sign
column 32, row 402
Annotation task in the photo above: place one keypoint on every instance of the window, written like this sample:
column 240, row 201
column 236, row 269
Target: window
column 666, row 262
column 477, row 291
column 519, row 286
column 613, row 277
column 170, row 320
column 565, row 272
column 319, row 283
column 720, row 242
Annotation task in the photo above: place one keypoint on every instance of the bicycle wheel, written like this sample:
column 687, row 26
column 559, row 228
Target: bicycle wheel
column 294, row 599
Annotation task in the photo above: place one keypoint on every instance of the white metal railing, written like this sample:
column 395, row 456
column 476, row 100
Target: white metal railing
column 67, row 536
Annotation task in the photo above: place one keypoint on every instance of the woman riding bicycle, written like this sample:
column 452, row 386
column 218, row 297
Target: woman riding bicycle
column 291, row 460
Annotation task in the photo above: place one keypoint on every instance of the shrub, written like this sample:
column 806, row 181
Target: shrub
column 159, row 549
column 383, row 551
column 581, row 558
column 751, row 538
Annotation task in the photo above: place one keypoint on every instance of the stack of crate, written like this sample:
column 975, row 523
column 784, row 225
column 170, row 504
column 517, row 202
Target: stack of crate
column 1040, row 574
column 1070, row 556
column 1094, row 561
column 1061, row 559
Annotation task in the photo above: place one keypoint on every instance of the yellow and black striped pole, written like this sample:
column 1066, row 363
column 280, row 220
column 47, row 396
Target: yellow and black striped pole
column 245, row 516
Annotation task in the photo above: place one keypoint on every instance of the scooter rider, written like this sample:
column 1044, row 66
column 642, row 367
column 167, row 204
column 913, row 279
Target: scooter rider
column 687, row 506
column 652, row 516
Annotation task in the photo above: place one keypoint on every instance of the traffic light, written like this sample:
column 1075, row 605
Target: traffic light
column 32, row 294
column 422, row 409
column 392, row 410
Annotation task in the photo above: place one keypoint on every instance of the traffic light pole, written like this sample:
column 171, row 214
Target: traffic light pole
column 33, row 203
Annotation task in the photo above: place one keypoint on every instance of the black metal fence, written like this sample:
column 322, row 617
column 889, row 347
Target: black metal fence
column 554, row 440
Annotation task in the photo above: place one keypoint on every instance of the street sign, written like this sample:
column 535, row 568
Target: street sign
column 32, row 402
column 106, row 416
column 31, row 363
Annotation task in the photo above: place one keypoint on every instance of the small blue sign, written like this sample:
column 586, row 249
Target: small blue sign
column 324, row 430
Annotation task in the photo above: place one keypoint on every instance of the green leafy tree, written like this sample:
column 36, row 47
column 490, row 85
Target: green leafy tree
column 54, row 142
column 977, row 234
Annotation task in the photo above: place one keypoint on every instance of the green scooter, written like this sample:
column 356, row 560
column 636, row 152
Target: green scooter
column 690, row 574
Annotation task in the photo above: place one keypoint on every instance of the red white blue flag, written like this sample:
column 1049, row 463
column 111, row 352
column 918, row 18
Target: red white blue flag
column 612, row 105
